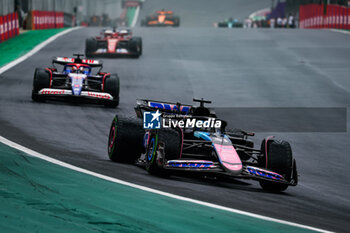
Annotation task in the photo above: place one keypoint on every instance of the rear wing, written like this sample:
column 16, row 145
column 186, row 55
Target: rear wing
column 165, row 12
column 66, row 60
column 167, row 107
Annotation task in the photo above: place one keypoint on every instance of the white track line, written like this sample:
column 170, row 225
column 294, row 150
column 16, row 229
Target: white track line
column 136, row 15
column 341, row 31
column 114, row 180
column 35, row 49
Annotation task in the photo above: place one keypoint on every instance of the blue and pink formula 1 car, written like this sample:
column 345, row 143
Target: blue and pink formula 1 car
column 193, row 139
column 76, row 81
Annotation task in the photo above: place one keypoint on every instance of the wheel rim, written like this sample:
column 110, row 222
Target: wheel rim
column 151, row 150
column 112, row 136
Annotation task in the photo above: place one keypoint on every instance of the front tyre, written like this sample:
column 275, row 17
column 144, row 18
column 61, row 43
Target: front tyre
column 136, row 46
column 163, row 145
column 41, row 80
column 112, row 87
column 277, row 157
column 90, row 47
column 176, row 21
column 125, row 140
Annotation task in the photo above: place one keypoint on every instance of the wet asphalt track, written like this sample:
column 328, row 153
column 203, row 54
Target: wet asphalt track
column 233, row 68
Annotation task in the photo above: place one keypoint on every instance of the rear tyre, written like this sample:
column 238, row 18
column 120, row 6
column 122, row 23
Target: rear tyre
column 112, row 86
column 222, row 25
column 136, row 46
column 41, row 80
column 279, row 159
column 125, row 140
column 163, row 145
column 147, row 20
column 177, row 21
column 90, row 47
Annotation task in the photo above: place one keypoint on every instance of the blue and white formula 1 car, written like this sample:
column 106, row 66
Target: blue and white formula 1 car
column 76, row 81
column 193, row 139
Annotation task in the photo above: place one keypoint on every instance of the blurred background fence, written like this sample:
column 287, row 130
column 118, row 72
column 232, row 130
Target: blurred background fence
column 43, row 14
column 305, row 14
column 76, row 12
column 292, row 6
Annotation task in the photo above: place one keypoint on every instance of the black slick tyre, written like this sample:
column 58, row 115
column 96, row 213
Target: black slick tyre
column 112, row 87
column 41, row 80
column 136, row 46
column 125, row 140
column 165, row 144
column 90, row 47
column 176, row 21
column 279, row 159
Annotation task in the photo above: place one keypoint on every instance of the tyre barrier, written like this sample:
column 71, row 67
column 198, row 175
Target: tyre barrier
column 9, row 26
column 321, row 16
column 46, row 19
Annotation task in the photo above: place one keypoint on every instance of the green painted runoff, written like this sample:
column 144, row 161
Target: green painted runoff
column 38, row 196
column 130, row 14
column 23, row 43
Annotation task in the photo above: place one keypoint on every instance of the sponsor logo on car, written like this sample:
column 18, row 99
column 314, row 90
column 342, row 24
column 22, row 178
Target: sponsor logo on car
column 88, row 61
column 51, row 92
column 65, row 59
column 191, row 123
column 98, row 95
column 151, row 120
column 157, row 120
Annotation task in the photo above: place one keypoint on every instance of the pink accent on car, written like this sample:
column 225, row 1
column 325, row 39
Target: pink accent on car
column 113, row 137
column 229, row 158
column 191, row 161
column 112, row 45
column 148, row 138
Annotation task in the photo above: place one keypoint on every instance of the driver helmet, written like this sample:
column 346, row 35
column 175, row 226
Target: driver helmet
column 74, row 69
column 81, row 70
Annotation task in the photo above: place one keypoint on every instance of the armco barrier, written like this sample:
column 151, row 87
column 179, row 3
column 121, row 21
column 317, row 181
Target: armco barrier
column 47, row 19
column 9, row 26
column 314, row 16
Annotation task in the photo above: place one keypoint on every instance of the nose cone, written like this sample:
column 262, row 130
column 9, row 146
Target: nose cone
column 77, row 82
column 161, row 18
column 229, row 158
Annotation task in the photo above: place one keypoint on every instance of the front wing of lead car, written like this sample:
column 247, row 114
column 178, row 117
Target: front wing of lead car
column 215, row 168
column 228, row 163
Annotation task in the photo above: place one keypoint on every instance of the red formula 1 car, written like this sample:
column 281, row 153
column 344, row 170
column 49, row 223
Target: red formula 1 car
column 114, row 43
column 76, row 81
column 161, row 18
